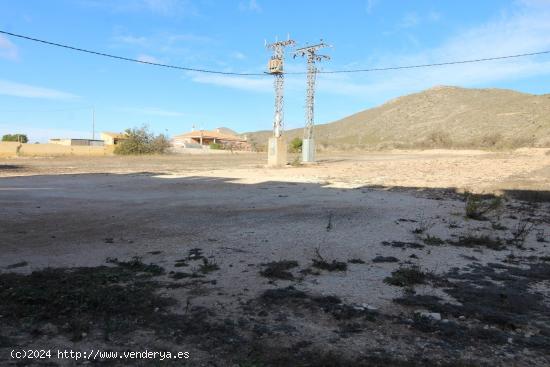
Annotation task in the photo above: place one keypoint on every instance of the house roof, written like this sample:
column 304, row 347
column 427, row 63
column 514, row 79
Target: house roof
column 209, row 134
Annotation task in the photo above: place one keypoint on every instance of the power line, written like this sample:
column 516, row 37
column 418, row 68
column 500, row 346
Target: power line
column 47, row 110
column 435, row 64
column 200, row 70
column 126, row 58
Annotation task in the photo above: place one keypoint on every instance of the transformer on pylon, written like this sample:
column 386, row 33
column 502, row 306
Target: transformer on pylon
column 275, row 66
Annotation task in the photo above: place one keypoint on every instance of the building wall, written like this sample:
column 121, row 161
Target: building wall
column 108, row 139
column 77, row 142
column 60, row 141
column 179, row 142
column 195, row 142
column 8, row 148
column 13, row 149
column 111, row 140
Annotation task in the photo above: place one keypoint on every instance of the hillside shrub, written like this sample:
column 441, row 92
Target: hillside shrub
column 22, row 138
column 522, row 142
column 142, row 141
column 491, row 141
column 438, row 139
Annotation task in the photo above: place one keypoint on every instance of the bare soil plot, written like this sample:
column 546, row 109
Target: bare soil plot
column 368, row 260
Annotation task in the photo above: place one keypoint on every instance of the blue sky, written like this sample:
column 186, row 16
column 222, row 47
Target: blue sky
column 49, row 92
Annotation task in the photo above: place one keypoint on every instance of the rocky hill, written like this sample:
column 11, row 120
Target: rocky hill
column 440, row 117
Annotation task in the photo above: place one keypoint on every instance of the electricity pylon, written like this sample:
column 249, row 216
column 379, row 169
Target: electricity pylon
column 277, row 147
column 308, row 143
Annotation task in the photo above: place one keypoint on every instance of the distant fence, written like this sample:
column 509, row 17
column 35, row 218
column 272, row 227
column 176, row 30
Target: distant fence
column 13, row 149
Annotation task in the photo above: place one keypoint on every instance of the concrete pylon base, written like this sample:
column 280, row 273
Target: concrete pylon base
column 308, row 150
column 276, row 152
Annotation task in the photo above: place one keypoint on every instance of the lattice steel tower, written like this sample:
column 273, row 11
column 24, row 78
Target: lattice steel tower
column 308, row 144
column 276, row 151
column 275, row 68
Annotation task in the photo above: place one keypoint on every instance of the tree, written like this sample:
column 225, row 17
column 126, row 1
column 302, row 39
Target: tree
column 21, row 138
column 142, row 141
column 296, row 145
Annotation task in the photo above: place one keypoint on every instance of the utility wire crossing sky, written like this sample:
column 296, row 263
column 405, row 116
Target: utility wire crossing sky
column 265, row 74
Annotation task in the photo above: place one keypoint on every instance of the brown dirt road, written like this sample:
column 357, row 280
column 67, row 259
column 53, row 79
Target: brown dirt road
column 74, row 212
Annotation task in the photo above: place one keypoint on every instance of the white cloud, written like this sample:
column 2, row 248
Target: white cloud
column 409, row 20
column 148, row 58
column 519, row 32
column 250, row 5
column 153, row 111
column 8, row 50
column 413, row 19
column 132, row 40
column 29, row 91
column 186, row 46
column 369, row 5
column 188, row 37
column 170, row 7
column 255, row 84
column 238, row 55
column 157, row 7
column 161, row 40
column 433, row 16
column 163, row 7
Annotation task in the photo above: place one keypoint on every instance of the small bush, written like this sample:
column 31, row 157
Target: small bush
column 471, row 240
column 476, row 208
column 330, row 266
column 433, row 240
column 423, row 224
column 21, row 138
column 406, row 277
column 208, row 266
column 279, row 269
column 385, row 259
column 321, row 263
column 540, row 235
column 498, row 226
column 296, row 145
column 215, row 146
column 136, row 265
column 142, row 141
column 520, row 232
column 181, row 275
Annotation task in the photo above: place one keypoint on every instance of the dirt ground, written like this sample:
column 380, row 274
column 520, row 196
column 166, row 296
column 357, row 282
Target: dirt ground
column 365, row 259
